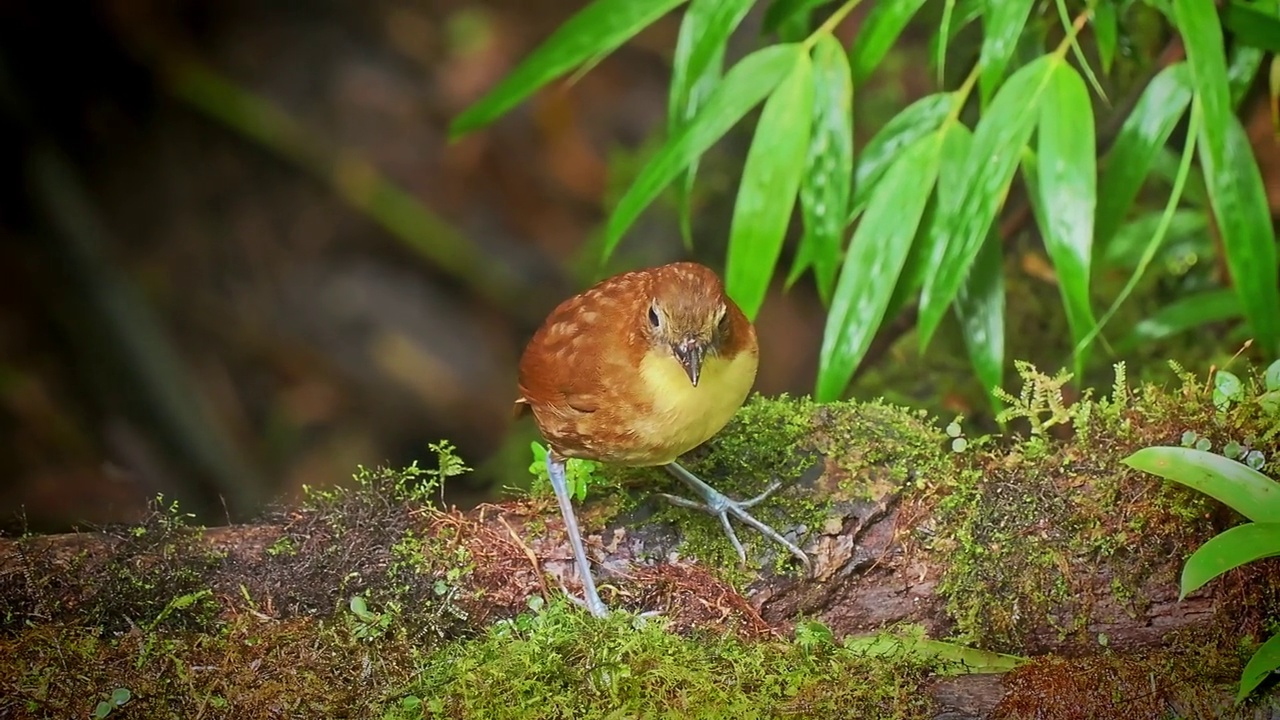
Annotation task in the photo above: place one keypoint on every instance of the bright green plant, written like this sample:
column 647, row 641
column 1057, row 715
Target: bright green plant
column 578, row 474
column 1248, row 492
column 912, row 215
column 119, row 698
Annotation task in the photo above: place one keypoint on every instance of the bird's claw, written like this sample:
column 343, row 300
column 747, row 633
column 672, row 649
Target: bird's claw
column 720, row 506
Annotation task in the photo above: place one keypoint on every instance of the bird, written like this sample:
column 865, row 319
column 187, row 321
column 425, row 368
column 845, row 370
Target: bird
column 637, row 370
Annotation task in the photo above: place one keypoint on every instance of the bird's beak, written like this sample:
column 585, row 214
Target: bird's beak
column 689, row 352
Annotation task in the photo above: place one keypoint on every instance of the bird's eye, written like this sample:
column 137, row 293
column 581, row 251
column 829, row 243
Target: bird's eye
column 653, row 315
column 724, row 320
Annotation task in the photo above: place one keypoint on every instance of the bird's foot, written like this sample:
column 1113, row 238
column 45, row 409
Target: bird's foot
column 719, row 505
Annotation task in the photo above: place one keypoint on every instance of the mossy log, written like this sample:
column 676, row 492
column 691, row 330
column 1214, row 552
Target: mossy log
column 1045, row 547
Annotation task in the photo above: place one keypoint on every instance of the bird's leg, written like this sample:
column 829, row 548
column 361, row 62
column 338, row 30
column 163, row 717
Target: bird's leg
column 555, row 468
column 719, row 505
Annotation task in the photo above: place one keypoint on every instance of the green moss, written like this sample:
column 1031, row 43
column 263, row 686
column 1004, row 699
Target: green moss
column 1043, row 520
column 562, row 663
column 825, row 455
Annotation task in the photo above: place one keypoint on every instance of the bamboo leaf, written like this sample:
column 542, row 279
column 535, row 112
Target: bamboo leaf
column 1253, row 26
column 877, row 34
column 1002, row 24
column 1140, row 140
column 997, row 144
column 1105, row 33
column 781, row 11
column 1187, row 313
column 1231, row 174
column 979, row 307
column 742, row 88
column 917, row 120
column 825, row 188
column 926, row 252
column 873, row 262
column 770, row 180
column 1067, row 194
column 696, row 69
column 593, row 32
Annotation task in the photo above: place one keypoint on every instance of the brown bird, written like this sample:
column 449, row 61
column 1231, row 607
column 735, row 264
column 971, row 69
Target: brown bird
column 638, row 370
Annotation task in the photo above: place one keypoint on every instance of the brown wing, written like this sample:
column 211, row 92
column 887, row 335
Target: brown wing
column 579, row 361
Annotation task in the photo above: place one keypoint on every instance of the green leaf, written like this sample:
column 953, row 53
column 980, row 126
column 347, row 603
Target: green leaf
column 770, row 181
column 979, row 307
column 1002, row 24
column 1143, row 135
column 1127, row 246
column 926, row 252
column 1187, row 313
column 595, row 31
column 1271, row 379
column 1229, row 550
column 742, row 88
column 1105, row 33
column 1068, row 195
column 1231, row 173
column 997, row 143
column 783, row 10
column 873, row 262
column 1162, row 227
column 1252, row 26
column 917, row 120
column 825, row 188
column 1265, row 660
column 1242, row 488
column 1243, row 68
column 696, row 69
column 956, row 16
column 877, row 33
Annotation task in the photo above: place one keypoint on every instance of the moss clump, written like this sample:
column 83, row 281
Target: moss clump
column 1062, row 525
column 556, row 663
column 826, row 456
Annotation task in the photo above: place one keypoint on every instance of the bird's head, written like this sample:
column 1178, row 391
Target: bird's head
column 690, row 317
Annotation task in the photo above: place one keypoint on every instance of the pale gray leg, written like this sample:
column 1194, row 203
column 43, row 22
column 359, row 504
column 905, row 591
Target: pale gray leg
column 555, row 468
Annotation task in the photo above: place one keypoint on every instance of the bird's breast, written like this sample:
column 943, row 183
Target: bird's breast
column 682, row 416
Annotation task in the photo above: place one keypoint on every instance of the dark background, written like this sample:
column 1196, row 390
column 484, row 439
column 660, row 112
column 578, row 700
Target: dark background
column 240, row 255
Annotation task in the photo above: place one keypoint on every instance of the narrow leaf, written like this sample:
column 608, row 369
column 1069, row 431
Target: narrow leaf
column 1265, row 660
column 1162, row 227
column 1252, row 26
column 878, row 32
column 926, row 253
column 770, row 181
column 696, row 69
column 595, row 31
column 824, row 190
column 873, row 262
column 1002, row 24
column 1068, row 195
column 1237, row 485
column 742, row 88
column 997, row 143
column 1243, row 68
column 917, row 120
column 1231, row 173
column 781, row 11
column 1141, row 138
column 1187, row 313
column 1228, row 550
column 979, row 307
column 1105, row 33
